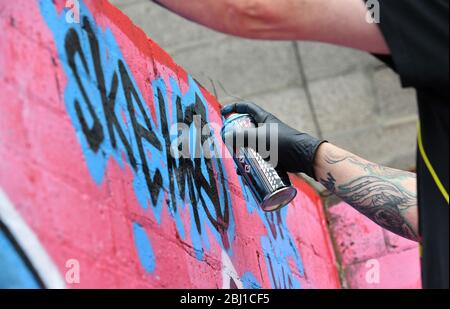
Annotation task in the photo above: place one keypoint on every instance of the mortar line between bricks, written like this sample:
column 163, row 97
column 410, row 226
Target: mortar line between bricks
column 375, row 68
column 268, row 90
column 305, row 83
column 340, row 267
column 177, row 50
column 122, row 6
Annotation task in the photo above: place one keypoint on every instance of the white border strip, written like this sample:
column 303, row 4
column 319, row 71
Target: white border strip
column 29, row 243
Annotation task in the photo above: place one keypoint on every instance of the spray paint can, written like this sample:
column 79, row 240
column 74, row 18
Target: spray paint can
column 271, row 189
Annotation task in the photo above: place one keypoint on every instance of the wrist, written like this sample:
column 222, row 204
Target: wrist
column 305, row 149
column 319, row 158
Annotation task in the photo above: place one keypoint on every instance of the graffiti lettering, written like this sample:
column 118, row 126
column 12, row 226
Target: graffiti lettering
column 184, row 174
column 112, row 120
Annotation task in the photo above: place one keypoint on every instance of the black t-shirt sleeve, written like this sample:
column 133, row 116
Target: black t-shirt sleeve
column 417, row 33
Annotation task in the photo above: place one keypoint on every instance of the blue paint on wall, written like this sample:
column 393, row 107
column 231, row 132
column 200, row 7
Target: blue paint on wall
column 14, row 272
column 201, row 204
column 278, row 246
column 249, row 281
column 144, row 248
column 208, row 208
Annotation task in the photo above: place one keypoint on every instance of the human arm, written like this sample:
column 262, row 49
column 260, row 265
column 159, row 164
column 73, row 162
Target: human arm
column 386, row 196
column 340, row 22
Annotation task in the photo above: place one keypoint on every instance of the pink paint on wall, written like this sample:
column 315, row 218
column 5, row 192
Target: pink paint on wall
column 89, row 199
column 371, row 257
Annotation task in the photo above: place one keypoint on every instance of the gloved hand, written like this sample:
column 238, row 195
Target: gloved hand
column 296, row 150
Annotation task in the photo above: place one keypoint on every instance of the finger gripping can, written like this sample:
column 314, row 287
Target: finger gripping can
column 271, row 189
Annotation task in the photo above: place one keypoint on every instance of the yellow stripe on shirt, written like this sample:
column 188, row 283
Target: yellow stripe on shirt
column 429, row 165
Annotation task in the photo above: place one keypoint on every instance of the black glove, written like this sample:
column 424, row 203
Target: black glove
column 296, row 150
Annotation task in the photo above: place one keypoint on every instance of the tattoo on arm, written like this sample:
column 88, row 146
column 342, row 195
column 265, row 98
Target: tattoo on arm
column 371, row 168
column 377, row 195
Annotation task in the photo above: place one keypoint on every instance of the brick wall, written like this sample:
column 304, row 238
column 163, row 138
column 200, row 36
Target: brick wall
column 85, row 115
column 86, row 182
column 346, row 96
column 369, row 256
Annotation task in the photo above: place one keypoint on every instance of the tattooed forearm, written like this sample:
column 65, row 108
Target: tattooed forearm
column 382, row 201
column 386, row 196
column 372, row 168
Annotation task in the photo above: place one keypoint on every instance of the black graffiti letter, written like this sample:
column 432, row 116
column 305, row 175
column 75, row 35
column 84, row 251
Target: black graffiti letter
column 94, row 135
column 209, row 186
column 108, row 101
column 154, row 185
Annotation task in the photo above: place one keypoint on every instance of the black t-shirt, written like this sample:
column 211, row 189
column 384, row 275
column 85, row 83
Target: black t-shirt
column 417, row 33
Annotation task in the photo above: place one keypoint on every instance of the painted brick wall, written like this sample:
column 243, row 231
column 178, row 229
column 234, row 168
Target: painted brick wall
column 371, row 257
column 85, row 115
column 343, row 95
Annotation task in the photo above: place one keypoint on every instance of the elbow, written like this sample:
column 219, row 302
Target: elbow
column 251, row 18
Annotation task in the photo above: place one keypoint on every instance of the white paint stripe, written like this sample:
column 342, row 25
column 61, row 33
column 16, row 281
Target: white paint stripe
column 229, row 272
column 28, row 241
